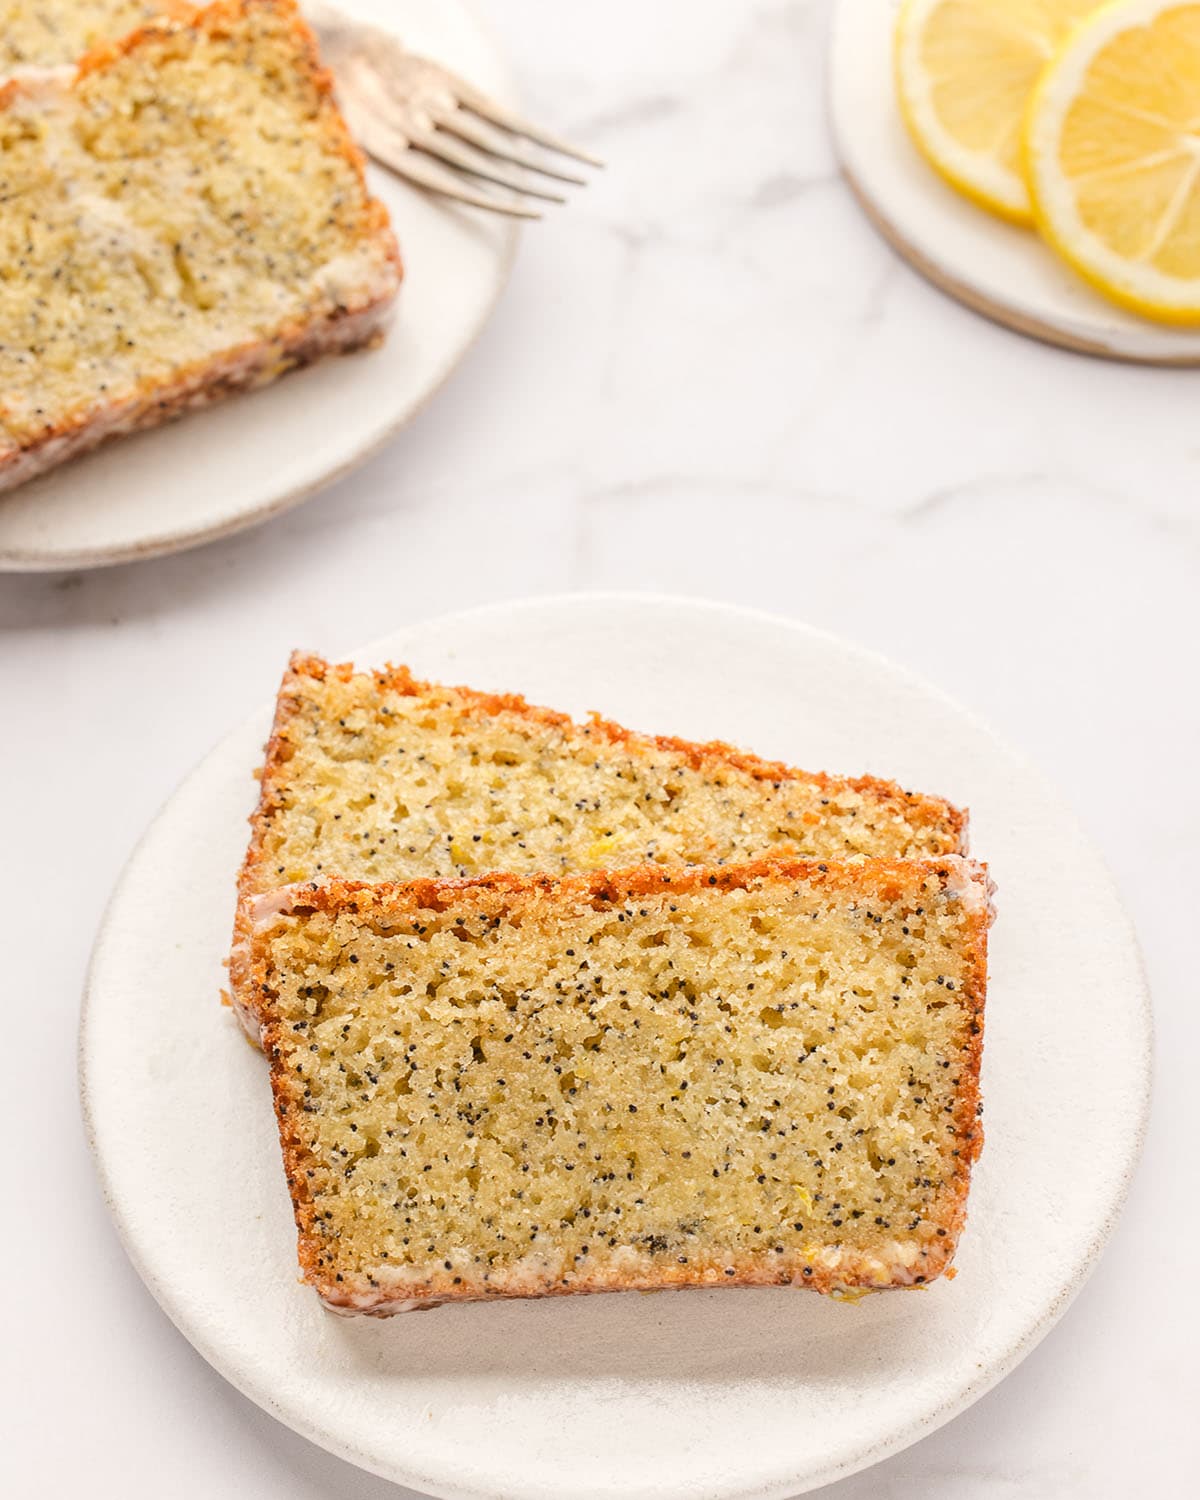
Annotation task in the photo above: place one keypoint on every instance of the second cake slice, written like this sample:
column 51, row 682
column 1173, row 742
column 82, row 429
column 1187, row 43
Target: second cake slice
column 507, row 1087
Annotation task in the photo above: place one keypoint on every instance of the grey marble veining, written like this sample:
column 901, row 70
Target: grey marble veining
column 708, row 376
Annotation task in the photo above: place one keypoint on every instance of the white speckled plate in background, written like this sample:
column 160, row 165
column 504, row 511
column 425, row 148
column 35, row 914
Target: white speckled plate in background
column 721, row 1393
column 255, row 455
column 998, row 269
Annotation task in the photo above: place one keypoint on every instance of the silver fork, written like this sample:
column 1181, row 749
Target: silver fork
column 433, row 128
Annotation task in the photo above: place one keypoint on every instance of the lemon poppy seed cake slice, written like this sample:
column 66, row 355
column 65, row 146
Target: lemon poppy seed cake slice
column 506, row 1087
column 184, row 215
column 378, row 776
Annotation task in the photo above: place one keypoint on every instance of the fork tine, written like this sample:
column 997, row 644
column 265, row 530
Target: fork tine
column 429, row 174
column 491, row 140
column 438, row 144
column 479, row 104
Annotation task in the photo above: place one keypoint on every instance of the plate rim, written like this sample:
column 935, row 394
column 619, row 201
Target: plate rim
column 37, row 560
column 865, row 1456
column 1118, row 342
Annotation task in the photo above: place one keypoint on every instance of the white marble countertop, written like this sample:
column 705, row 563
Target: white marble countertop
column 708, row 377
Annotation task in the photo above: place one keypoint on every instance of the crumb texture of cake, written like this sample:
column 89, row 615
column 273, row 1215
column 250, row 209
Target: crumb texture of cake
column 185, row 216
column 663, row 1078
column 51, row 33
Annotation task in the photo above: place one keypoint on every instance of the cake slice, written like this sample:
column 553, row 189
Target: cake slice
column 51, row 33
column 184, row 215
column 377, row 776
column 507, row 1087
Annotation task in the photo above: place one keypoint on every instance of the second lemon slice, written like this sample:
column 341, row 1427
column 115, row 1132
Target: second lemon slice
column 965, row 70
column 1113, row 155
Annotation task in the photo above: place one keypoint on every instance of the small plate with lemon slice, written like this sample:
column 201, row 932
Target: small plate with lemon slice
column 1037, row 159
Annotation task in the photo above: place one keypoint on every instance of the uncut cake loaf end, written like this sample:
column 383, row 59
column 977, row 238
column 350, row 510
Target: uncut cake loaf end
column 185, row 215
column 377, row 776
column 507, row 1087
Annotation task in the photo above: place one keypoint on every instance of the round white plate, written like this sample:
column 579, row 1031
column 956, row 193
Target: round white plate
column 998, row 269
column 256, row 455
column 715, row 1393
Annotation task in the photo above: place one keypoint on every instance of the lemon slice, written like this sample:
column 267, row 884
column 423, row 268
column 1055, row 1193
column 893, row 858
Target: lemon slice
column 1112, row 145
column 964, row 72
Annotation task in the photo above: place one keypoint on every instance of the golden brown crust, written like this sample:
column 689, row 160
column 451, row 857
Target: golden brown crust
column 295, row 343
column 887, row 880
column 884, row 879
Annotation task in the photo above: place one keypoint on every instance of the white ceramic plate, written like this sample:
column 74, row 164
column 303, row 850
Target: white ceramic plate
column 253, row 456
column 1003, row 271
column 716, row 1393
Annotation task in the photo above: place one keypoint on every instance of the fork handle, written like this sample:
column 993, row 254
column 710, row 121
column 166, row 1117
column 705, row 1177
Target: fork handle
column 326, row 20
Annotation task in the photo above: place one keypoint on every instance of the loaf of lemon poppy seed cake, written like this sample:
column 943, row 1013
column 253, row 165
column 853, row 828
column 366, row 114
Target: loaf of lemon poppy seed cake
column 509, row 1087
column 184, row 215
column 378, row 776
column 51, row 33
